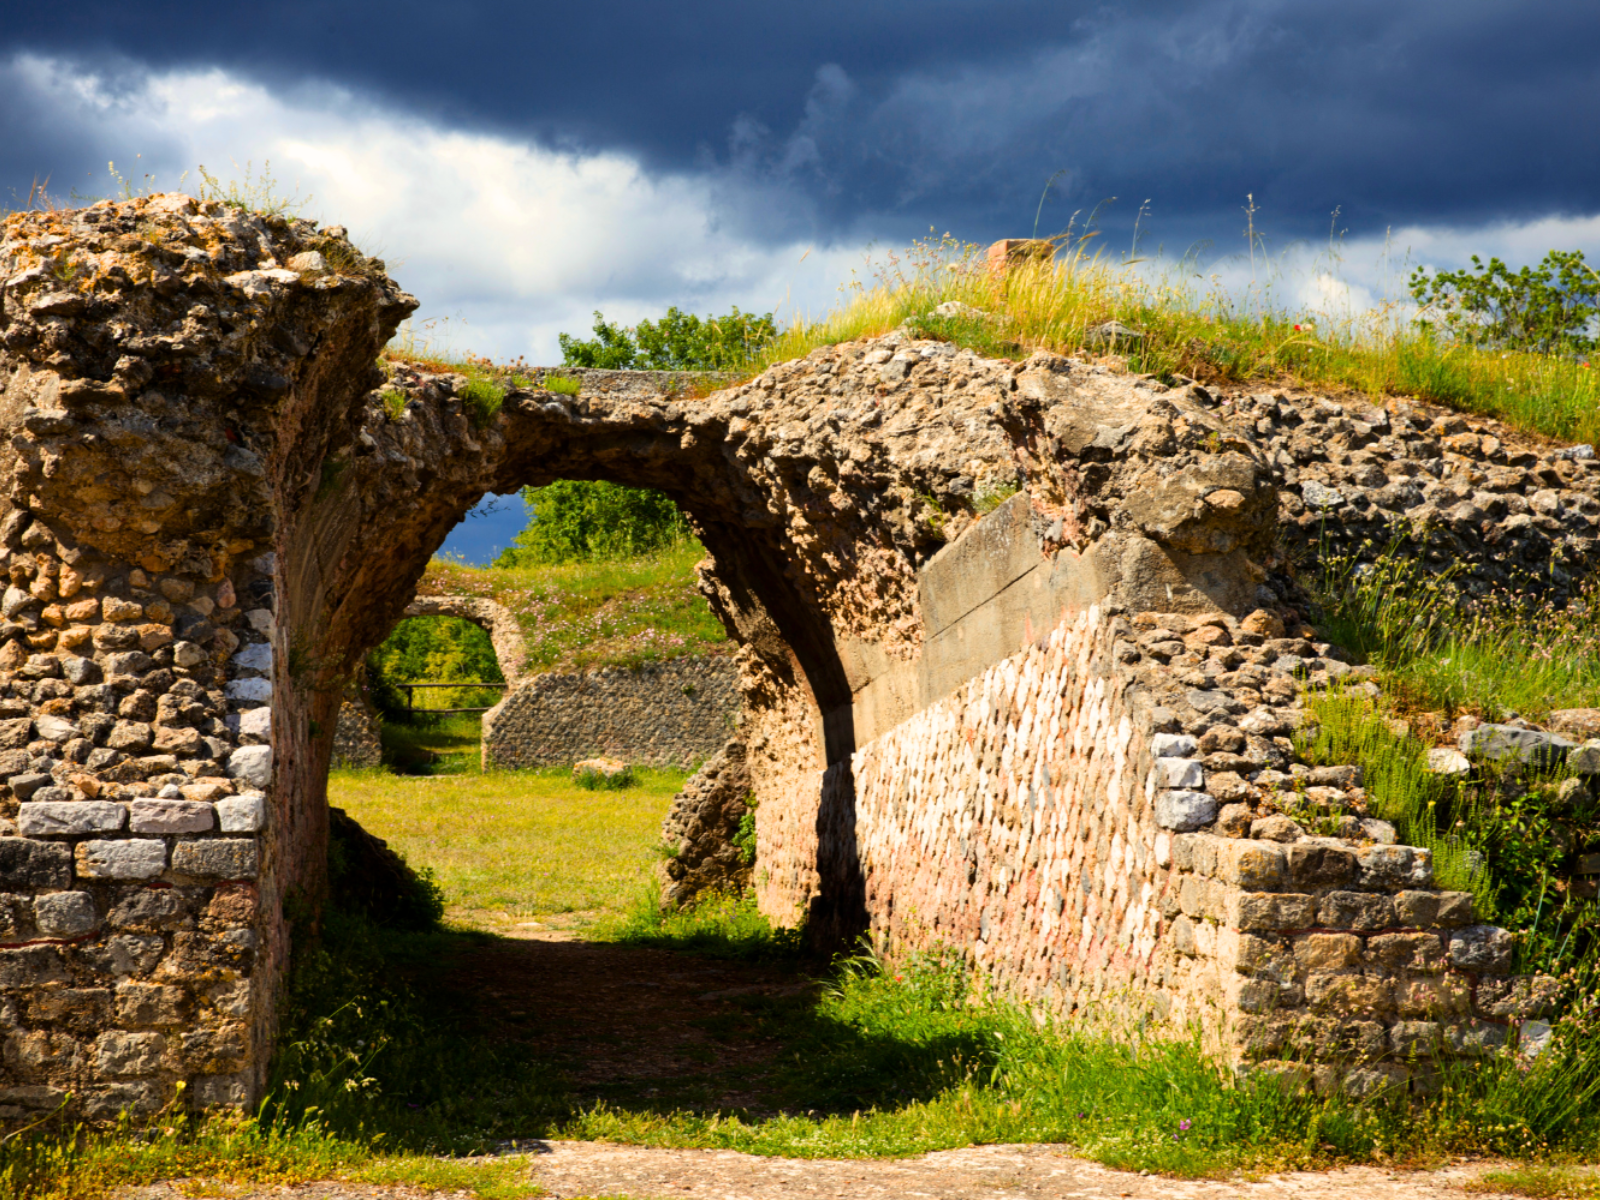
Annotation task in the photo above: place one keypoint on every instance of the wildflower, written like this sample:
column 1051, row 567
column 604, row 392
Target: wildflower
column 1183, row 1125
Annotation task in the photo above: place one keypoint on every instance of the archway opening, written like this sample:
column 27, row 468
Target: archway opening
column 429, row 684
column 596, row 645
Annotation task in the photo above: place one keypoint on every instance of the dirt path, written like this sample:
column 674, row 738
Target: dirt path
column 569, row 1170
column 573, row 1169
column 633, row 1026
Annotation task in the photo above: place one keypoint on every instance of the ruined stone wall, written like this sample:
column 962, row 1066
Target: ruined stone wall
column 153, row 375
column 356, row 740
column 661, row 714
column 212, row 505
column 1049, row 822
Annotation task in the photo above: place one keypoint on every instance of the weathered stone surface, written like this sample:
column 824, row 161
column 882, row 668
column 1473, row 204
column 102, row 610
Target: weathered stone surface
column 65, row 914
column 145, row 1004
column 703, row 827
column 222, row 858
column 1544, row 750
column 170, row 816
column 1180, row 773
column 1185, row 810
column 252, row 765
column 63, row 819
column 27, row 865
column 1356, row 910
column 129, row 1053
column 242, row 814
column 1481, row 948
column 142, row 858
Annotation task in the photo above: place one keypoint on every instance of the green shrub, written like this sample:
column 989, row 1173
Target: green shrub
column 574, row 520
column 677, row 342
column 745, row 839
column 1546, row 308
column 592, row 780
column 433, row 650
column 561, row 385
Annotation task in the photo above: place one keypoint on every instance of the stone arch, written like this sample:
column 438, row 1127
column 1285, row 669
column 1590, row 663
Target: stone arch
column 498, row 621
column 216, row 503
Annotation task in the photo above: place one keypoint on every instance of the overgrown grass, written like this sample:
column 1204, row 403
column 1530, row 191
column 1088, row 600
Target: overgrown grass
column 1552, row 1181
column 223, row 1149
column 1187, row 325
column 717, row 924
column 1199, row 331
column 1400, row 788
column 434, row 745
column 909, row 1060
column 578, row 615
column 514, row 844
column 1505, row 832
column 1441, row 648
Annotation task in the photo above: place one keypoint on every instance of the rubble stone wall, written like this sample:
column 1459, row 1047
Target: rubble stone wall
column 672, row 713
column 154, row 377
column 356, row 740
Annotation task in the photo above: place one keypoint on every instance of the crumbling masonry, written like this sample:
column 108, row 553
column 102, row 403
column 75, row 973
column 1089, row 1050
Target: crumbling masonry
column 1049, row 737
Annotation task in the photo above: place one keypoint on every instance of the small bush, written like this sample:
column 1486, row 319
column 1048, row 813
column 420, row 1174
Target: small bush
column 574, row 520
column 561, row 385
column 677, row 342
column 745, row 840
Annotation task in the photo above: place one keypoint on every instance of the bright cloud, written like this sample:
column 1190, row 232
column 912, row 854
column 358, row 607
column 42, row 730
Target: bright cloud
column 505, row 242
column 508, row 242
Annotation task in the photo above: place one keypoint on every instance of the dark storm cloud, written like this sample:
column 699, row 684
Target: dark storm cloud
column 842, row 118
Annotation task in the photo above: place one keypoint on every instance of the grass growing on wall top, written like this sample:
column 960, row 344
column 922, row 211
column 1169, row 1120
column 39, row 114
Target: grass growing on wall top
column 593, row 614
column 1196, row 330
column 1442, row 648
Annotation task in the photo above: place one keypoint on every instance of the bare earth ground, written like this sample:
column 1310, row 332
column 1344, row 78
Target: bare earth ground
column 568, row 1170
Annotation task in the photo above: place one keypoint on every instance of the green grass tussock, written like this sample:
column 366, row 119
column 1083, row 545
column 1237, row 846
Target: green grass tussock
column 590, row 614
column 716, row 925
column 1204, row 333
column 1441, row 648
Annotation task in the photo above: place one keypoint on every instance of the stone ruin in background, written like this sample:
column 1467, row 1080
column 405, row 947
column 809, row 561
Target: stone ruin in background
column 1049, row 737
column 672, row 713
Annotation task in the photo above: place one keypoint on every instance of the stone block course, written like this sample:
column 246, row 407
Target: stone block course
column 170, row 816
column 57, row 819
column 143, row 858
column 219, row 858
